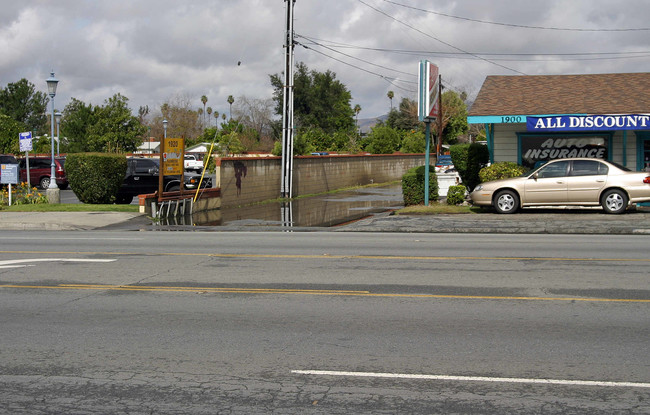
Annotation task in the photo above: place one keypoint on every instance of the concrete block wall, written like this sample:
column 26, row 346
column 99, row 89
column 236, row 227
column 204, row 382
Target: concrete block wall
column 249, row 180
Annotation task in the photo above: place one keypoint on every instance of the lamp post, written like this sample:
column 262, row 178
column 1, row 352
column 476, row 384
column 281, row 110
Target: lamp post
column 58, row 116
column 52, row 190
column 165, row 127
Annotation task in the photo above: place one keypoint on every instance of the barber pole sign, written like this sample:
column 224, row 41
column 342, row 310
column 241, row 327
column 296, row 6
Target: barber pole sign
column 429, row 91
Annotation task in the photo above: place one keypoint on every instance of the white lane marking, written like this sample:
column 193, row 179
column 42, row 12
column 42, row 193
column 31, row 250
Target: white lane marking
column 473, row 378
column 17, row 263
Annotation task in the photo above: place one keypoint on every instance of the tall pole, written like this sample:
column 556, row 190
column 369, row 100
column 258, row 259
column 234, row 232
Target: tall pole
column 439, row 116
column 287, row 107
column 53, row 194
column 427, row 135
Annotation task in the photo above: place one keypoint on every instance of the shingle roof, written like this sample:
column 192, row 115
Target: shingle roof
column 622, row 93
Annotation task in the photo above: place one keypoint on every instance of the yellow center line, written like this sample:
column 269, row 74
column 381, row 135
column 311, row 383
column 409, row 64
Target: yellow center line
column 309, row 292
column 329, row 256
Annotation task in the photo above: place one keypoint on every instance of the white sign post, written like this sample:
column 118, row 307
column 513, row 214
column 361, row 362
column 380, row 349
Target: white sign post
column 26, row 145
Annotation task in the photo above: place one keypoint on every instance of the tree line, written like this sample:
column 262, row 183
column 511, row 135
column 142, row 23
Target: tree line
column 324, row 120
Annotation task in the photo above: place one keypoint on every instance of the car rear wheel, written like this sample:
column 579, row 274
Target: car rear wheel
column 614, row 201
column 44, row 183
column 506, row 201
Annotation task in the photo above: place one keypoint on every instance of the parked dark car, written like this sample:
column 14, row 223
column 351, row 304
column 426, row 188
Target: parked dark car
column 142, row 176
column 40, row 171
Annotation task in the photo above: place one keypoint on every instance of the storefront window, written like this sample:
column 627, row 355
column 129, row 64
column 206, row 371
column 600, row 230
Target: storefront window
column 539, row 148
column 646, row 155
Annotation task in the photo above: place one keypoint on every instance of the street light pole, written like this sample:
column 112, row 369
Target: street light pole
column 165, row 127
column 58, row 116
column 53, row 195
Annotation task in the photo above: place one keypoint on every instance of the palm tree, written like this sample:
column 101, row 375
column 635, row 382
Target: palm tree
column 204, row 100
column 357, row 110
column 216, row 118
column 209, row 111
column 390, row 96
column 230, row 101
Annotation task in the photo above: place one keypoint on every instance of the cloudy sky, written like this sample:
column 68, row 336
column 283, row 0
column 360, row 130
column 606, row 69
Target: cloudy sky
column 153, row 51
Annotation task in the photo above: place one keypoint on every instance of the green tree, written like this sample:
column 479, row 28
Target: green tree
column 454, row 117
column 390, row 96
column 115, row 128
column 9, row 130
column 320, row 100
column 21, row 102
column 77, row 120
column 383, row 140
column 405, row 117
column 414, row 142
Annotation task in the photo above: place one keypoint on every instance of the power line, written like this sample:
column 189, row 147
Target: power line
column 353, row 57
column 439, row 40
column 390, row 80
column 606, row 55
column 516, row 25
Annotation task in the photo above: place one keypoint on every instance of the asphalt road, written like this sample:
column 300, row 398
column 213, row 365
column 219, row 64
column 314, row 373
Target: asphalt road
column 168, row 322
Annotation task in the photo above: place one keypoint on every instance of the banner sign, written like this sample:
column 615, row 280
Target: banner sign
column 540, row 148
column 429, row 91
column 588, row 123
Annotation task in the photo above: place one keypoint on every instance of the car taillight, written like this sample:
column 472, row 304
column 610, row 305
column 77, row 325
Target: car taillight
column 647, row 180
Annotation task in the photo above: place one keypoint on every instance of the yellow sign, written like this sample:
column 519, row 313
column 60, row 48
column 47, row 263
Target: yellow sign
column 172, row 163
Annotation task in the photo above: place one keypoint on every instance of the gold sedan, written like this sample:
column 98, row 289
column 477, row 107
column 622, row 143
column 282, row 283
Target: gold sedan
column 564, row 182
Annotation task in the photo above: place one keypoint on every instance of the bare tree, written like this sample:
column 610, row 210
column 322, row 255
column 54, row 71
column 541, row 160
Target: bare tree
column 255, row 114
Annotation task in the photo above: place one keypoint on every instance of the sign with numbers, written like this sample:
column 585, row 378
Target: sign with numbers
column 173, row 156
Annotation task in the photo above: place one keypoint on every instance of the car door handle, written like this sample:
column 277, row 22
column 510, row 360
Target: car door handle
column 600, row 181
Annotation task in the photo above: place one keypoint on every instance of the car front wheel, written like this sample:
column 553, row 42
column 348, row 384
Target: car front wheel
column 506, row 201
column 614, row 201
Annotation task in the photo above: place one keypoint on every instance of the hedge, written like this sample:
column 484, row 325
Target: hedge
column 95, row 178
column 501, row 170
column 413, row 185
column 456, row 194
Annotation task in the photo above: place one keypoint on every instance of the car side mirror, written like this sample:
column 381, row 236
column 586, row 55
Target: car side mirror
column 153, row 170
column 535, row 176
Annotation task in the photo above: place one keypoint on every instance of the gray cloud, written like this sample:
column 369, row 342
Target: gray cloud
column 151, row 51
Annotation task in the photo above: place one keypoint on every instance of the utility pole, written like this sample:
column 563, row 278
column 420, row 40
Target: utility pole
column 287, row 108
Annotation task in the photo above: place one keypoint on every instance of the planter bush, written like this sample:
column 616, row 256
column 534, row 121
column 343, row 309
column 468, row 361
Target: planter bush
column 501, row 170
column 95, row 177
column 413, row 185
column 456, row 194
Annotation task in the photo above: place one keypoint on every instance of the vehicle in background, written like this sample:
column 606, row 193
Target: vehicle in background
column 40, row 169
column 192, row 163
column 566, row 182
column 142, row 177
column 444, row 163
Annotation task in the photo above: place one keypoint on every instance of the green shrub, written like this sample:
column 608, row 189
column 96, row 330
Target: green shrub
column 501, row 170
column 469, row 159
column 95, row 177
column 456, row 194
column 413, row 185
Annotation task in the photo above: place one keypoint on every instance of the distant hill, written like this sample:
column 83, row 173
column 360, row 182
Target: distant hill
column 365, row 124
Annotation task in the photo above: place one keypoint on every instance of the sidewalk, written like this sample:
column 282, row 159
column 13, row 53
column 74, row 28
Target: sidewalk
column 532, row 221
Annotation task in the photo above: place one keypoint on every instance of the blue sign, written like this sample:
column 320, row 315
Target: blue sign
column 588, row 123
column 9, row 173
column 25, row 141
